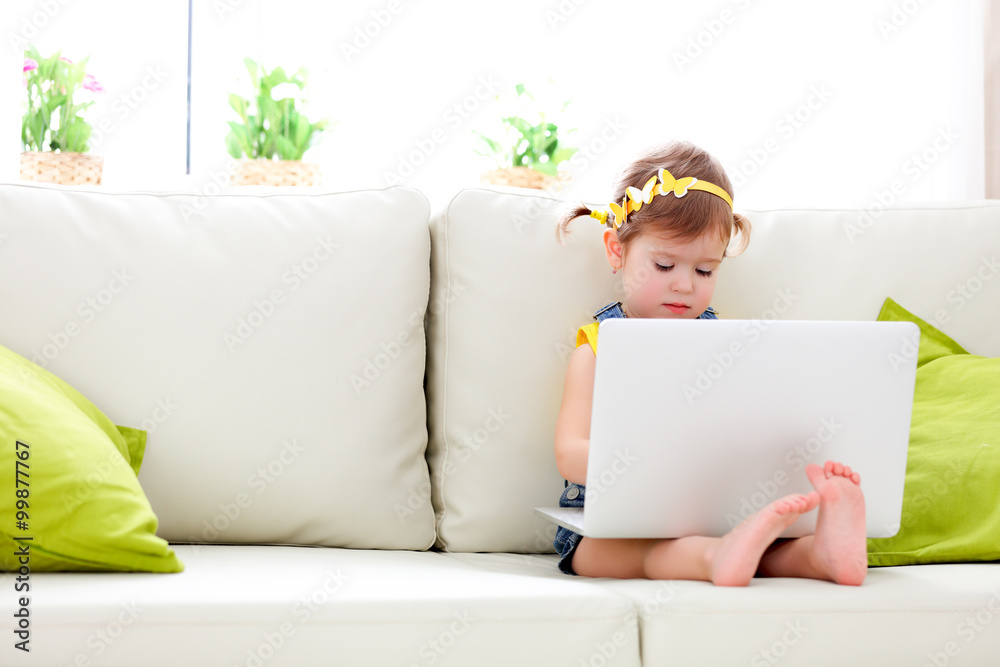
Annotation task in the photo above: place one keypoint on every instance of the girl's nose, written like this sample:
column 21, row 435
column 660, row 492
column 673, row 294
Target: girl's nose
column 681, row 282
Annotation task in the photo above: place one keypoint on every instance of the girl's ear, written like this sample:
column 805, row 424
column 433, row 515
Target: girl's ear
column 613, row 248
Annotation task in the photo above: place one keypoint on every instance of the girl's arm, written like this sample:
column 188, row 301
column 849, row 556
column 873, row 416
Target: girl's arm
column 573, row 424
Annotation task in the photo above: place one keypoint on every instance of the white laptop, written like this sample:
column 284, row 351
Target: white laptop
column 696, row 424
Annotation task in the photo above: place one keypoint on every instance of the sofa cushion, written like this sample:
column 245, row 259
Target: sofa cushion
column 951, row 505
column 507, row 299
column 270, row 343
column 73, row 500
column 276, row 606
column 908, row 615
column 841, row 264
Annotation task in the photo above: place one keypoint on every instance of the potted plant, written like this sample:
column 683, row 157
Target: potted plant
column 54, row 135
column 272, row 134
column 529, row 153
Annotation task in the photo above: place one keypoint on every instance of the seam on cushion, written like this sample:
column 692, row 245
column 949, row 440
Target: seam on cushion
column 162, row 194
column 439, row 537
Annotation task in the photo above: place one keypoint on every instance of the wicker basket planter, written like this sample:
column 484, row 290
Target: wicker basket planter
column 523, row 177
column 62, row 168
column 276, row 173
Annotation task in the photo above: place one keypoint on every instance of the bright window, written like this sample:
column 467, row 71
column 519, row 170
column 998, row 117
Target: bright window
column 807, row 104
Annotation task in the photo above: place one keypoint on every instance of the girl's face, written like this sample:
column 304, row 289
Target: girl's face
column 664, row 278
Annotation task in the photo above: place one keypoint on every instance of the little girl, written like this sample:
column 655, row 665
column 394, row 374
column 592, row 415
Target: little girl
column 670, row 224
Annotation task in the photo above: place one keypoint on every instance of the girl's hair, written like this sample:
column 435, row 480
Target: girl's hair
column 680, row 218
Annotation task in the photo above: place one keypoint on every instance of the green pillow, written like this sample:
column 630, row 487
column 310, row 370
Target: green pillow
column 70, row 477
column 951, row 503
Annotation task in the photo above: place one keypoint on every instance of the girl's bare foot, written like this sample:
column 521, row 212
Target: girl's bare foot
column 735, row 560
column 839, row 547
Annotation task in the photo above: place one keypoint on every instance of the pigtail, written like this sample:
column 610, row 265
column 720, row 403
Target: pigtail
column 741, row 229
column 571, row 213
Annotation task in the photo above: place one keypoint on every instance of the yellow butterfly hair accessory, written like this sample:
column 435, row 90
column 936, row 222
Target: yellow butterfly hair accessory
column 643, row 196
column 662, row 184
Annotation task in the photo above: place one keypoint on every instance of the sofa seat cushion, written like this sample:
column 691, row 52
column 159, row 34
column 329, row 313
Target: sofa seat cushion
column 273, row 605
column 910, row 615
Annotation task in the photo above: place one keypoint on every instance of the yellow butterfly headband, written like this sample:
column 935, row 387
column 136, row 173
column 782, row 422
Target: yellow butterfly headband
column 635, row 197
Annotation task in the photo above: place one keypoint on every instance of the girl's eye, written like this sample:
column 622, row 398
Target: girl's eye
column 660, row 267
column 702, row 272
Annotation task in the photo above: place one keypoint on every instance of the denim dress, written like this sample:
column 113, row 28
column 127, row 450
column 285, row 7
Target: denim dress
column 573, row 495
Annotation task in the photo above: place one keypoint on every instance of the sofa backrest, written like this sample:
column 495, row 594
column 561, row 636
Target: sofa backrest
column 271, row 344
column 506, row 300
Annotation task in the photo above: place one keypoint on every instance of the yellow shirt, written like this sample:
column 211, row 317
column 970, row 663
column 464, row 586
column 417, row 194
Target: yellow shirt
column 588, row 334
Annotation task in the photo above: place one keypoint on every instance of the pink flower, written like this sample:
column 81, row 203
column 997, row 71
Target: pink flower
column 30, row 64
column 65, row 59
column 91, row 84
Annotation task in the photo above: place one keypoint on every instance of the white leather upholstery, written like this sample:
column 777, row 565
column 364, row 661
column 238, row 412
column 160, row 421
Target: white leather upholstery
column 939, row 261
column 272, row 346
column 497, row 352
column 292, row 606
column 900, row 616
column 501, row 344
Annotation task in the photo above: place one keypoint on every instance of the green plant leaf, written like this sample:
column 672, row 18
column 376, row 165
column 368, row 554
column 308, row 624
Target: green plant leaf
column 286, row 149
column 563, row 154
column 241, row 137
column 77, row 136
column 276, row 76
column 233, row 146
column 238, row 104
column 254, row 70
column 545, row 168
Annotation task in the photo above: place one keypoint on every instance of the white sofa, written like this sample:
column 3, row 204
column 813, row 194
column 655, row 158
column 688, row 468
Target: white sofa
column 355, row 373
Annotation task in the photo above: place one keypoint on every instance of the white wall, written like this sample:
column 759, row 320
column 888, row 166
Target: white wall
column 807, row 104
